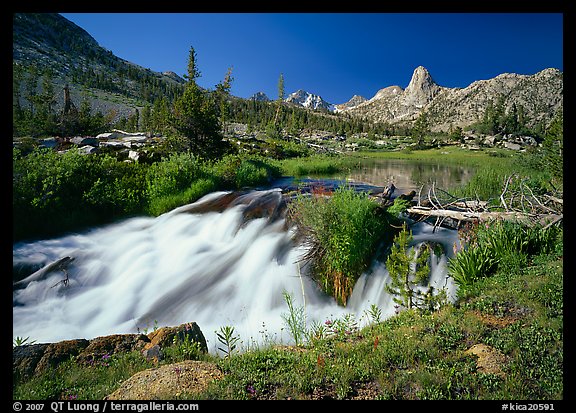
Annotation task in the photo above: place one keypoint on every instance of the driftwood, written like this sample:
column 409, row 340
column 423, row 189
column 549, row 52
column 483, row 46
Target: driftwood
column 528, row 219
column 41, row 274
column 519, row 204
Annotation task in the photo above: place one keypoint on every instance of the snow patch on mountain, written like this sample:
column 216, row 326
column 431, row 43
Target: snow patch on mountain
column 309, row 100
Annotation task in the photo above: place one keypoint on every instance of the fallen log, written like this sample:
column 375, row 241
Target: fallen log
column 58, row 265
column 527, row 219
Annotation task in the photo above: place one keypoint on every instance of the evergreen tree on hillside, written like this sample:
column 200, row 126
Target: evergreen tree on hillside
column 195, row 117
column 222, row 96
column 553, row 146
column 420, row 129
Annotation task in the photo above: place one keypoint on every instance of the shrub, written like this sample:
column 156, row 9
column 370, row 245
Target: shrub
column 236, row 172
column 172, row 175
column 344, row 231
column 501, row 245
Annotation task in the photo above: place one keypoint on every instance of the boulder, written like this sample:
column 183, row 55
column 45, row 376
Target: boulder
column 84, row 140
column 512, row 146
column 153, row 353
column 164, row 337
column 25, row 359
column 134, row 155
column 489, row 360
column 168, row 382
column 87, row 150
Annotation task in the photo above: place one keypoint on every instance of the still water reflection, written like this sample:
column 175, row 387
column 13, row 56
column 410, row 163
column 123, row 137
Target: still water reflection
column 409, row 175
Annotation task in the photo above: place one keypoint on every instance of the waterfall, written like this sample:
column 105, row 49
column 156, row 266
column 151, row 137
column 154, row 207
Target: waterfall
column 221, row 266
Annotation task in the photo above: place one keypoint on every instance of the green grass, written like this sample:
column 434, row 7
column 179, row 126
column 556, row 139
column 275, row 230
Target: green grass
column 318, row 165
column 344, row 231
column 412, row 355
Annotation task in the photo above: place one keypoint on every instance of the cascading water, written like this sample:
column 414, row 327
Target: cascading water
column 216, row 266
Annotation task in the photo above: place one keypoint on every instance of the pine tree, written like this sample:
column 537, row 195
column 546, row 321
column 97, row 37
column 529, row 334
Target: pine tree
column 195, row 117
column 407, row 270
column 280, row 98
column 222, row 96
column 553, row 146
column 420, row 128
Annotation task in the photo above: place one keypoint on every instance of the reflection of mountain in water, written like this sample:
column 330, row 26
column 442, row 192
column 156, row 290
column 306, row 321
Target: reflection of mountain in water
column 407, row 175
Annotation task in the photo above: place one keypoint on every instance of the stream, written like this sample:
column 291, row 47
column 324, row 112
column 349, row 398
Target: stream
column 224, row 260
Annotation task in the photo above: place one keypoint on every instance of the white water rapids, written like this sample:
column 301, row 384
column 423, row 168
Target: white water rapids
column 214, row 268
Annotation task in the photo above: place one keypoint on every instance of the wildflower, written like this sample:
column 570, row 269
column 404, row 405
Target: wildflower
column 251, row 390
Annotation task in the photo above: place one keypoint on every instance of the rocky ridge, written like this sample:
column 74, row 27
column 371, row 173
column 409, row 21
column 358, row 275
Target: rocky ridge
column 540, row 95
column 50, row 40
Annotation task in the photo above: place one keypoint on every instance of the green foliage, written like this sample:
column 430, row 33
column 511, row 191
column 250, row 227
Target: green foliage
column 56, row 192
column 197, row 113
column 553, row 146
column 420, row 129
column 499, row 119
column 195, row 118
column 374, row 314
column 345, row 231
column 185, row 348
column 316, row 164
column 499, row 245
column 412, row 355
column 295, row 319
column 174, row 174
column 470, row 265
column 227, row 338
column 21, row 341
column 236, row 172
column 408, row 268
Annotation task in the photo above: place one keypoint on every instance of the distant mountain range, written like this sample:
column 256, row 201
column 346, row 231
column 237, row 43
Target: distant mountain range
column 50, row 40
column 299, row 98
column 539, row 95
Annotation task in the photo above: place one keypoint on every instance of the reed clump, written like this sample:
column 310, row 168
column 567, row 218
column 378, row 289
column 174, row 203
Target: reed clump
column 344, row 230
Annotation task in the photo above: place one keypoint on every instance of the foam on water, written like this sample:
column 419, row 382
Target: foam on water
column 213, row 268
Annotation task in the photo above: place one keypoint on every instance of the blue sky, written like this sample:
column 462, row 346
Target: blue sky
column 334, row 55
